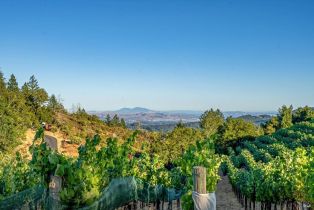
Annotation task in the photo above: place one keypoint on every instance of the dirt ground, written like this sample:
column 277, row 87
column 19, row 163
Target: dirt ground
column 225, row 198
column 54, row 140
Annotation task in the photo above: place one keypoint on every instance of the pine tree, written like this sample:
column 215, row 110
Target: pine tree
column 12, row 84
column 54, row 104
column 2, row 84
column 33, row 84
column 122, row 123
column 115, row 120
column 36, row 98
column 108, row 119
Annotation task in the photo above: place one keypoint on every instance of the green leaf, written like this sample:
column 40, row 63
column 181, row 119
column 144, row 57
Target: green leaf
column 59, row 170
column 53, row 159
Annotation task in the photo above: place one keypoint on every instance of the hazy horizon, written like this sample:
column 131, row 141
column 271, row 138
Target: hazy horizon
column 179, row 110
column 178, row 55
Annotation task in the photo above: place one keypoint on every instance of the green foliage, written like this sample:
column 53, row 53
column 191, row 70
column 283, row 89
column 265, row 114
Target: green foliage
column 303, row 114
column 12, row 84
column 271, row 126
column 13, row 118
column 20, row 109
column 36, row 97
column 276, row 168
column 16, row 175
column 9, row 130
column 211, row 120
column 235, row 129
column 285, row 116
column 176, row 142
column 201, row 154
column 115, row 121
column 55, row 104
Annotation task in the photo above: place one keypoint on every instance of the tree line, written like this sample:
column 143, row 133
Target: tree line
column 23, row 107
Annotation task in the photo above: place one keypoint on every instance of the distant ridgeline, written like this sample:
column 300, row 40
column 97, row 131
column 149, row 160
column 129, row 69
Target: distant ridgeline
column 151, row 120
column 168, row 125
column 256, row 119
column 161, row 125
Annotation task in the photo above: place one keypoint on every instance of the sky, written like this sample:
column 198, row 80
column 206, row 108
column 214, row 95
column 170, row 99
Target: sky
column 163, row 54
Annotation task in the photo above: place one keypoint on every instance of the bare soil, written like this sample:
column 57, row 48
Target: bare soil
column 225, row 198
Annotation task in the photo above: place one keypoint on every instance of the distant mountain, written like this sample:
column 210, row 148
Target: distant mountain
column 161, row 120
column 133, row 110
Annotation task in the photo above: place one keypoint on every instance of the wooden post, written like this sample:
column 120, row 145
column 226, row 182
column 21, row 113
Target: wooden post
column 199, row 179
column 55, row 184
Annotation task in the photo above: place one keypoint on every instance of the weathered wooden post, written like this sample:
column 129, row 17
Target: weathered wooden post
column 199, row 179
column 55, row 185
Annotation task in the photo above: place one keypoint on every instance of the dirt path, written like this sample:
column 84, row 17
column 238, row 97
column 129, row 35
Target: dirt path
column 225, row 198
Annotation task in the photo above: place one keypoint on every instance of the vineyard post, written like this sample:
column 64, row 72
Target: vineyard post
column 55, row 186
column 199, row 179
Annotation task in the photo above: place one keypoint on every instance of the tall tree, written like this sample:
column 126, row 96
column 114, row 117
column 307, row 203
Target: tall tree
column 211, row 120
column 33, row 84
column 54, row 104
column 285, row 116
column 108, row 119
column 36, row 99
column 12, row 84
column 122, row 123
column 2, row 84
column 115, row 120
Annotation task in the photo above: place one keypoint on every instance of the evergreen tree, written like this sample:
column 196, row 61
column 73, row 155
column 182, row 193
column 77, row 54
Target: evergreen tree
column 36, row 99
column 122, row 123
column 2, row 84
column 53, row 103
column 115, row 120
column 108, row 119
column 33, row 84
column 12, row 84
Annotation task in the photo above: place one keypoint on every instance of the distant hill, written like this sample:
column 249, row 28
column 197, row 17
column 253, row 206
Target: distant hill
column 166, row 120
column 133, row 110
column 259, row 119
column 161, row 125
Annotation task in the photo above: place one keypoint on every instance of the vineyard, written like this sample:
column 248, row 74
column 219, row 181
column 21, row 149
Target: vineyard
column 272, row 171
column 85, row 179
column 275, row 171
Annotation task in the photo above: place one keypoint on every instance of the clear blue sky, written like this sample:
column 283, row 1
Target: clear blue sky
column 163, row 54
